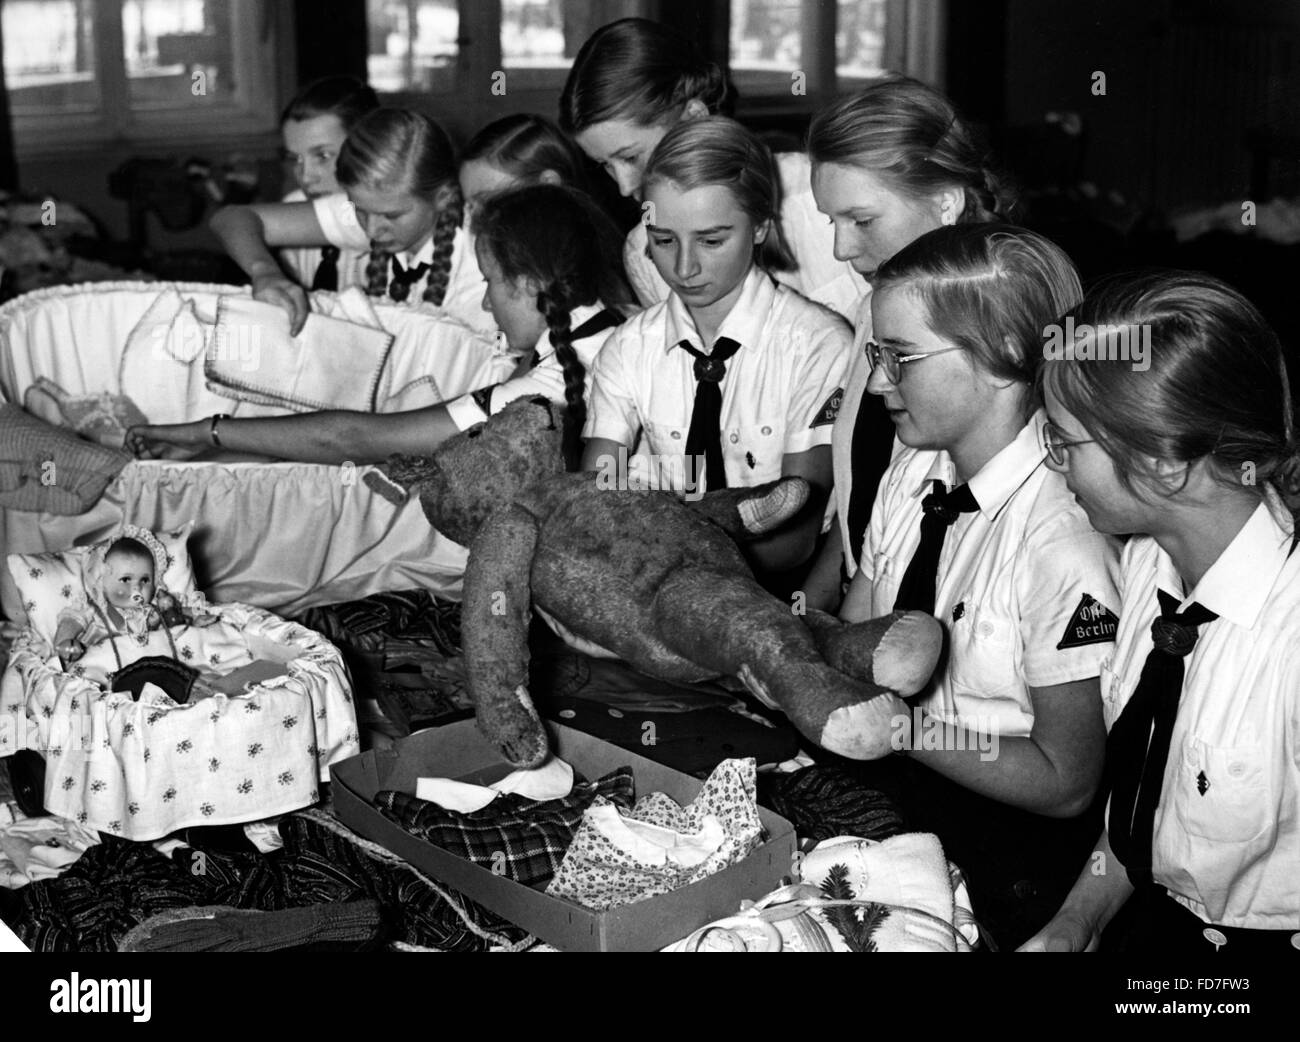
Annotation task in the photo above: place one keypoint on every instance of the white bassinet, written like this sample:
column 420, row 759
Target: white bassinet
column 143, row 769
column 283, row 536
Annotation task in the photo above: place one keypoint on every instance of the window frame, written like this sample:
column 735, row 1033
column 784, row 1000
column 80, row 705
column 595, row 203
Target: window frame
column 262, row 59
column 915, row 36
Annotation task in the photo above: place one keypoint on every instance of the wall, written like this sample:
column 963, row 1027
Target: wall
column 1186, row 80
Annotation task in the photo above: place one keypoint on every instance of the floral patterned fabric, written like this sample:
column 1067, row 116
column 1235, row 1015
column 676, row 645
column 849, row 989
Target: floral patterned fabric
column 660, row 846
column 140, row 770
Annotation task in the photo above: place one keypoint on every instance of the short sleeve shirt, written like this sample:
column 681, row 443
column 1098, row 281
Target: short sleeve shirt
column 545, row 378
column 779, row 395
column 1227, row 832
column 819, row 276
column 302, row 262
column 465, row 286
column 1025, row 587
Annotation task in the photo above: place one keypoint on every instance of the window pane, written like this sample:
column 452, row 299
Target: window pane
column 766, row 44
column 532, row 34
column 860, row 39
column 177, row 52
column 412, row 44
column 49, row 55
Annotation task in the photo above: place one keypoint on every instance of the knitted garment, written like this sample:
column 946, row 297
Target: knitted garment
column 824, row 801
column 222, row 929
column 117, row 885
column 46, row 468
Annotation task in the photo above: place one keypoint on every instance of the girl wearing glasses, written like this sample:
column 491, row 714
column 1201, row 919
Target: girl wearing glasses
column 1197, row 456
column 1006, row 743
column 889, row 164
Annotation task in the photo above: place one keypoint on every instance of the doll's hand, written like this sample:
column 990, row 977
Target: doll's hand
column 275, row 288
column 167, row 440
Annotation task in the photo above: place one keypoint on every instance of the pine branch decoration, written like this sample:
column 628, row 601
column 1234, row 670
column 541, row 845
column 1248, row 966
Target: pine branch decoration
column 858, row 932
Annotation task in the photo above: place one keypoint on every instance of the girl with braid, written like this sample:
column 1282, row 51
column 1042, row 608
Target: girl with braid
column 515, row 151
column 401, row 202
column 554, row 287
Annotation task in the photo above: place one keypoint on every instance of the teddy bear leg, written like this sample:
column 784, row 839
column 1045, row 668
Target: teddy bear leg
column 727, row 622
column 495, row 614
column 898, row 651
column 745, row 512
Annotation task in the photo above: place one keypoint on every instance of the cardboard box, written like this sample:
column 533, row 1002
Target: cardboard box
column 459, row 751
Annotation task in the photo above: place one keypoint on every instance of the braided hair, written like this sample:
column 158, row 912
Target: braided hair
column 400, row 149
column 560, row 240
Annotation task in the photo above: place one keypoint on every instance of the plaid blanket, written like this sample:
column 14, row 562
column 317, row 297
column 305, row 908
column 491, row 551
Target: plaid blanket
column 46, row 468
column 513, row 835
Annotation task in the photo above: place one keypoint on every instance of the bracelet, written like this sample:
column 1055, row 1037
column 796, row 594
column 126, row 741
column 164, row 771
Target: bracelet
column 212, row 428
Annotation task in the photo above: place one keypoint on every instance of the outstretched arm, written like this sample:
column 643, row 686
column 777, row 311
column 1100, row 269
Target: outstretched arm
column 320, row 437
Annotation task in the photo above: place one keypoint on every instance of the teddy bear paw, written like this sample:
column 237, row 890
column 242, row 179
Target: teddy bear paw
column 516, row 729
column 762, row 513
column 866, row 730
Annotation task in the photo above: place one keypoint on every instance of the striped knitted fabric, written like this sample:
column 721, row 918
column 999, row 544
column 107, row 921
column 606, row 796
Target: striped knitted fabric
column 824, row 801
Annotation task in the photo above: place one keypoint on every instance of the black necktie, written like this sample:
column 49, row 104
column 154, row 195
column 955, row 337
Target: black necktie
column 1138, row 746
column 705, row 435
column 327, row 271
column 403, row 279
column 941, row 509
column 872, row 445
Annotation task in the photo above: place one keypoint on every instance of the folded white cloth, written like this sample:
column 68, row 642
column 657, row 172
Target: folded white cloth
column 158, row 362
column 553, row 780
column 38, row 848
column 331, row 364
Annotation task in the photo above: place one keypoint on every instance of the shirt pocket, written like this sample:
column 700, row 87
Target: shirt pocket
column 982, row 655
column 755, row 451
column 666, row 442
column 1223, row 793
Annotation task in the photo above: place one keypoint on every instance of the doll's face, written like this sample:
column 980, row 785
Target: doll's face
column 128, row 579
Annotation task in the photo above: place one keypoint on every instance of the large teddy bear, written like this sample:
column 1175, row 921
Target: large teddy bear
column 657, row 581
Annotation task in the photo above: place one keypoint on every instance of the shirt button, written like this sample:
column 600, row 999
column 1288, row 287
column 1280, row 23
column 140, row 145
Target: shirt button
column 1236, row 770
column 985, row 629
column 1295, row 941
column 735, row 438
column 767, row 430
column 1024, row 889
column 677, row 434
column 1215, row 937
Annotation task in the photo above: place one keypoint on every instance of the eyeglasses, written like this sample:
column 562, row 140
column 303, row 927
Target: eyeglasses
column 1055, row 443
column 893, row 362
